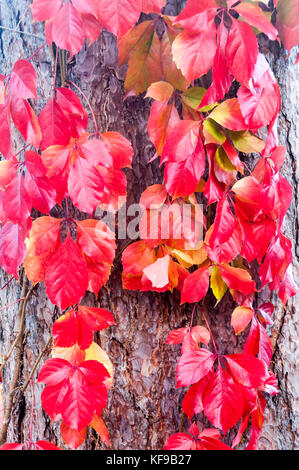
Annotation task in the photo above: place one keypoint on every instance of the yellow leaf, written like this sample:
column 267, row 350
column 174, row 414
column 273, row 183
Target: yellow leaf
column 217, row 284
column 246, row 142
column 190, row 257
column 212, row 133
column 96, row 353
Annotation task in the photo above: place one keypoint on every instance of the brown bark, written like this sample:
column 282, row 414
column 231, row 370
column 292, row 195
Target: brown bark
column 144, row 404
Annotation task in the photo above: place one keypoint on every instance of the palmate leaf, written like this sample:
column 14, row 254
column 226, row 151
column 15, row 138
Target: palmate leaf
column 149, row 57
column 85, row 170
column 74, row 393
column 209, row 439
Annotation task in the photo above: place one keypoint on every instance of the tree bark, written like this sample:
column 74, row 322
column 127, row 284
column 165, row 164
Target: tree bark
column 144, row 404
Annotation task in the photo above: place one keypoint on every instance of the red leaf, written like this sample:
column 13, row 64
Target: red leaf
column 196, row 286
column 242, row 51
column 16, row 203
column 177, row 336
column 185, row 157
column 66, row 332
column 44, row 235
column 186, row 55
column 78, row 327
column 193, row 366
column 162, row 120
column 12, row 248
column 119, row 148
column 67, row 29
column 23, row 80
column 258, row 343
column 153, row 197
column 276, row 262
column 223, row 401
column 287, row 287
column 247, row 369
column 43, row 10
column 180, row 441
column 25, row 120
column 192, row 403
column 256, row 238
column 222, row 76
column 227, row 251
column 39, row 187
column 5, row 129
column 152, row 6
column 72, row 437
column 254, row 15
column 224, row 224
column 74, row 393
column 66, row 276
column 8, row 171
column 85, row 185
column 97, row 318
column 45, row 445
column 197, row 16
column 12, row 446
column 237, row 279
column 86, row 7
column 96, row 241
column 258, row 106
column 118, row 16
column 287, row 24
column 54, row 124
column 195, row 335
column 71, row 105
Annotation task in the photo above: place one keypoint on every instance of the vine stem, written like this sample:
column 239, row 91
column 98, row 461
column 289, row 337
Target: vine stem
column 88, row 103
column 192, row 316
column 18, row 344
column 36, row 364
column 22, row 149
column 17, row 31
column 211, row 334
column 9, row 305
column 37, row 51
column 25, row 300
column 55, row 71
column 191, row 323
column 7, row 282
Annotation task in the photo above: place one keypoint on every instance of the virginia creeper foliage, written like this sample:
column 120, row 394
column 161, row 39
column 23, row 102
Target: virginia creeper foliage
column 200, row 135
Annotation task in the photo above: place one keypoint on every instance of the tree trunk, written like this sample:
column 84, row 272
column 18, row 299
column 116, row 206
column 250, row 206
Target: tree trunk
column 144, row 404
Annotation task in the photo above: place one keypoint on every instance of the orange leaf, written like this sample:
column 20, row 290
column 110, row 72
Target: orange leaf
column 241, row 316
